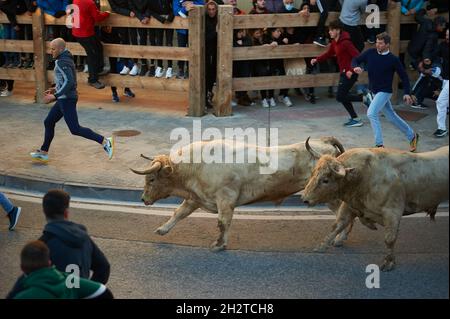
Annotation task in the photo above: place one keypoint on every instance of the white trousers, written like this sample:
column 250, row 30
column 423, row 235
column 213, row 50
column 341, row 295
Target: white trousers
column 442, row 106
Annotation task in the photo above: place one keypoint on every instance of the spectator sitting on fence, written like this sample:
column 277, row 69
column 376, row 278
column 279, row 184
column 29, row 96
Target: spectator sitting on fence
column 41, row 280
column 425, row 42
column 323, row 7
column 242, row 69
column 69, row 243
column 428, row 84
column 259, row 7
column 86, row 36
column 112, row 35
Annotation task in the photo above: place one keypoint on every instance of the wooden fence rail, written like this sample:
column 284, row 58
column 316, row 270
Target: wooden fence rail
column 195, row 54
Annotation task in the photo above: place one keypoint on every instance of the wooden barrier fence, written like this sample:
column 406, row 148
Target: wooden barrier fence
column 226, row 54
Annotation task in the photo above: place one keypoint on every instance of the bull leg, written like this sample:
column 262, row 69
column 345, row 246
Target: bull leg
column 391, row 223
column 344, row 219
column 224, row 222
column 186, row 208
column 343, row 235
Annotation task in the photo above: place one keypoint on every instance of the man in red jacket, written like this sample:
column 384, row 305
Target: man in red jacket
column 344, row 51
column 86, row 36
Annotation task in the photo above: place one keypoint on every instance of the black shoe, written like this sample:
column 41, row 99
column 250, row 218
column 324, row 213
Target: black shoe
column 440, row 133
column 151, row 71
column 98, row 85
column 320, row 41
column 14, row 217
column 144, row 70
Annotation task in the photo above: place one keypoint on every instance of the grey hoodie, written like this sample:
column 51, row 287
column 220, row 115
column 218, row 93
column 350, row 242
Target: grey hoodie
column 65, row 76
column 351, row 11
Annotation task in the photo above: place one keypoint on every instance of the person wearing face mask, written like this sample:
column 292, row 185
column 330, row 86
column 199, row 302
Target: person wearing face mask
column 288, row 7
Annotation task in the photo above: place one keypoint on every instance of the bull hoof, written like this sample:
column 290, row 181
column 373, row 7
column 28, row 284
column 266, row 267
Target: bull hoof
column 338, row 243
column 387, row 266
column 320, row 249
column 216, row 248
column 161, row 231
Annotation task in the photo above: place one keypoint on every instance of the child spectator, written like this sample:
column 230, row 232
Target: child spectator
column 242, row 69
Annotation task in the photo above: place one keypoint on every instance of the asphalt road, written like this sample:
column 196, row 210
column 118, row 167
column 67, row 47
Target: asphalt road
column 267, row 257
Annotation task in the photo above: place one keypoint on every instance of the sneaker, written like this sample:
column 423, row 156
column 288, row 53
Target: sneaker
column 86, row 69
column 144, row 70
column 98, row 85
column 6, row 93
column 135, row 70
column 264, row 103
column 287, row 101
column 125, row 70
column 440, row 133
column 169, row 73
column 353, row 123
column 115, row 98
column 418, row 106
column 367, row 99
column 28, row 64
column 311, row 98
column 109, row 146
column 159, row 72
column 272, row 102
column 39, row 156
column 233, row 103
column 380, row 146
column 14, row 217
column 180, row 74
column 151, row 71
column 128, row 92
column 320, row 41
column 413, row 143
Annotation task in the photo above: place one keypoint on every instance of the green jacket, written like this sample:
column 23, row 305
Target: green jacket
column 50, row 283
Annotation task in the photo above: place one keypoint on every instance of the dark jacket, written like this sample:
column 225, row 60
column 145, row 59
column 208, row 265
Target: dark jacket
column 140, row 8
column 121, row 7
column 161, row 10
column 69, row 243
column 12, row 8
column 65, row 76
column 425, row 41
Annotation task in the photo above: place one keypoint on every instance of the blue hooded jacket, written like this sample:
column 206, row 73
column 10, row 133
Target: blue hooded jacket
column 179, row 10
column 52, row 6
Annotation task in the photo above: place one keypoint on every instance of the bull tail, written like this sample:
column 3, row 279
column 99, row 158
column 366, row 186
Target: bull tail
column 334, row 141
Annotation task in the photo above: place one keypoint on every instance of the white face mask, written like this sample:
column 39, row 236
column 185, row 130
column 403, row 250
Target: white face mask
column 289, row 6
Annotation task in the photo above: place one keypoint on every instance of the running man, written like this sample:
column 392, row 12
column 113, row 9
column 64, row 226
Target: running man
column 66, row 97
column 381, row 65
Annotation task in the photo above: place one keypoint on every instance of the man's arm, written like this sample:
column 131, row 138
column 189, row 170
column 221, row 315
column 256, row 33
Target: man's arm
column 361, row 58
column 118, row 9
column 69, row 80
column 100, row 265
column 97, row 14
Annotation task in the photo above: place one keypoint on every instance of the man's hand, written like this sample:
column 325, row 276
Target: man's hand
column 349, row 74
column 48, row 98
column 313, row 61
column 285, row 40
column 407, row 99
column 145, row 20
column 50, row 91
column 274, row 44
column 304, row 13
column 358, row 70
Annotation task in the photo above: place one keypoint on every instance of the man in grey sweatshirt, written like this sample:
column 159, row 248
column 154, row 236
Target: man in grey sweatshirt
column 351, row 17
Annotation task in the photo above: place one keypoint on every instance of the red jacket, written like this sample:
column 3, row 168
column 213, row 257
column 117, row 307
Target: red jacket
column 89, row 15
column 343, row 50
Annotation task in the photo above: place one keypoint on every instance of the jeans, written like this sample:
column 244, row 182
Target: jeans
column 66, row 108
column 381, row 102
column 5, row 203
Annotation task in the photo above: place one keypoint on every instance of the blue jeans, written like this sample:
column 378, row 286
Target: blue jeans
column 66, row 108
column 5, row 203
column 381, row 102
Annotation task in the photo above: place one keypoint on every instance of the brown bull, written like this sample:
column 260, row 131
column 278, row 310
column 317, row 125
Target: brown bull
column 379, row 186
column 219, row 188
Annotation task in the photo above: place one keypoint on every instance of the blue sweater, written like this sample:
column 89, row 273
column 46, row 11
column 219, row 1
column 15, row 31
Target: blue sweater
column 381, row 70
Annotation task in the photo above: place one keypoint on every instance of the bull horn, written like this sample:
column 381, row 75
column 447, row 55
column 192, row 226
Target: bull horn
column 147, row 158
column 315, row 154
column 334, row 141
column 155, row 167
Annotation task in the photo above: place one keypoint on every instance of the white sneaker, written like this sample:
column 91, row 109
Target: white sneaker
column 86, row 68
column 135, row 70
column 233, row 103
column 159, row 72
column 125, row 70
column 287, row 101
column 264, row 103
column 169, row 73
column 272, row 102
column 5, row 93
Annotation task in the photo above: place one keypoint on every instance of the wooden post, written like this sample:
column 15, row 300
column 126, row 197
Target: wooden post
column 40, row 55
column 224, row 90
column 197, row 61
column 393, row 28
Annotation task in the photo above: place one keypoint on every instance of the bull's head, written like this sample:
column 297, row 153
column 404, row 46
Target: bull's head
column 326, row 181
column 157, row 179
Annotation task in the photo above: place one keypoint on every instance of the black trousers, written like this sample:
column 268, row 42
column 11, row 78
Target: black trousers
column 356, row 36
column 157, row 39
column 94, row 55
column 344, row 96
column 324, row 7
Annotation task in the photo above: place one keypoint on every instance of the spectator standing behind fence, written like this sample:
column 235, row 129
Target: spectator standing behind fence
column 162, row 11
column 442, row 101
column 242, row 69
column 438, row 6
column 12, row 30
column 350, row 18
column 69, row 243
column 259, row 7
column 140, row 36
column 181, row 9
column 41, row 280
column 210, row 50
column 344, row 51
column 66, row 97
column 381, row 66
column 89, row 40
column 12, row 212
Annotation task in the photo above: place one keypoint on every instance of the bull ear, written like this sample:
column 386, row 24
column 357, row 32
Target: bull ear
column 340, row 171
column 154, row 168
column 314, row 154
